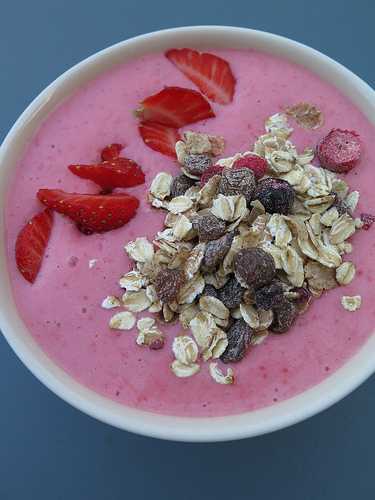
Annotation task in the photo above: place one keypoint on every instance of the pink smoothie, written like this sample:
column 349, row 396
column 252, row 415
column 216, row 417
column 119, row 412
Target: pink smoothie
column 62, row 309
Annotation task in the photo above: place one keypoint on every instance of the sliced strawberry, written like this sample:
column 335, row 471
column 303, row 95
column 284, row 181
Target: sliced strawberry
column 111, row 151
column 175, row 107
column 119, row 172
column 159, row 137
column 92, row 213
column 31, row 244
column 211, row 74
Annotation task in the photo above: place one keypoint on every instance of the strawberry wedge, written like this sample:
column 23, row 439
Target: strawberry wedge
column 115, row 173
column 211, row 74
column 175, row 107
column 159, row 137
column 31, row 244
column 91, row 213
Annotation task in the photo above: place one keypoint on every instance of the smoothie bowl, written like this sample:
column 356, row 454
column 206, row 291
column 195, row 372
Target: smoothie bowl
column 186, row 243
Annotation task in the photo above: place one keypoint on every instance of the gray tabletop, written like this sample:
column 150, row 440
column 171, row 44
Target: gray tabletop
column 49, row 450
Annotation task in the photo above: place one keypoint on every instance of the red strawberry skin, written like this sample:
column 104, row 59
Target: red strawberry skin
column 111, row 151
column 115, row 173
column 92, row 213
column 160, row 137
column 210, row 172
column 211, row 74
column 175, row 107
column 31, row 244
column 256, row 164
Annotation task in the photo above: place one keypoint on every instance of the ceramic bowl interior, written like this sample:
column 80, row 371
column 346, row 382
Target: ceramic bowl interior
column 279, row 415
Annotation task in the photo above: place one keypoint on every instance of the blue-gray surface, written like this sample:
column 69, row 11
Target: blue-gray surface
column 51, row 451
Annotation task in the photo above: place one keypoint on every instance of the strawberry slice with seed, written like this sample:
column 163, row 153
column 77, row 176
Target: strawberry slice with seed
column 211, row 74
column 115, row 173
column 175, row 107
column 159, row 137
column 111, row 151
column 31, row 244
column 92, row 213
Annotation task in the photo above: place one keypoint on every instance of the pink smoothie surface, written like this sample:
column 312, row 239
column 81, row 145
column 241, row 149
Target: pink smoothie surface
column 62, row 308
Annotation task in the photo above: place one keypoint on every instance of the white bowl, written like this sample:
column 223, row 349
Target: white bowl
column 277, row 416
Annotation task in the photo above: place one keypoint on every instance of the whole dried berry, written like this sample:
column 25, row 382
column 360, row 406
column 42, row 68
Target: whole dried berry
column 367, row 220
column 239, row 337
column 276, row 195
column 210, row 291
column 340, row 150
column 168, row 283
column 269, row 296
column 210, row 172
column 238, row 181
column 231, row 294
column 209, row 227
column 216, row 250
column 255, row 163
column 253, row 267
column 197, row 164
column 180, row 185
column 284, row 315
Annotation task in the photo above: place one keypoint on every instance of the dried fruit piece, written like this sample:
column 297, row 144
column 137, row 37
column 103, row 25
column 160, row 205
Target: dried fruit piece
column 216, row 250
column 115, row 173
column 210, row 172
column 31, row 244
column 111, row 151
column 307, row 115
column 255, row 163
column 238, row 181
column 196, row 165
column 269, row 296
column 210, row 291
column 168, row 283
column 210, row 73
column 180, row 185
column 209, row 227
column 368, row 220
column 92, row 213
column 340, row 150
column 159, row 137
column 276, row 195
column 231, row 293
column 301, row 297
column 285, row 314
column 239, row 337
column 253, row 267
column 175, row 107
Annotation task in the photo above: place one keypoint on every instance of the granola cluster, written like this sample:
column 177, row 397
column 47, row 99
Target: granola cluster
column 238, row 257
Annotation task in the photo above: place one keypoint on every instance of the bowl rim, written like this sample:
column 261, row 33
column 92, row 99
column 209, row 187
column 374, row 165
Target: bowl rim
column 193, row 429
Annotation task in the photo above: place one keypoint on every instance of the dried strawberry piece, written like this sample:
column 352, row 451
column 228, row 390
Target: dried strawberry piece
column 168, row 283
column 209, row 227
column 197, row 164
column 255, row 163
column 216, row 250
column 111, row 151
column 231, row 293
column 238, row 181
column 210, row 291
column 285, row 313
column 269, row 296
column 180, row 185
column 367, row 220
column 340, row 150
column 210, row 172
column 276, row 195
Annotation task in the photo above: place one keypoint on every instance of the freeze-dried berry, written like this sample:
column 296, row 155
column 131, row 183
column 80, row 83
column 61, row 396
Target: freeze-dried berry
column 239, row 337
column 210, row 291
column 255, row 163
column 210, row 172
column 209, row 227
column 367, row 220
column 276, row 195
column 238, row 181
column 168, row 283
column 340, row 150
column 216, row 250
column 180, row 185
column 231, row 294
column 253, row 267
column 302, row 298
column 284, row 315
column 197, row 164
column 269, row 296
